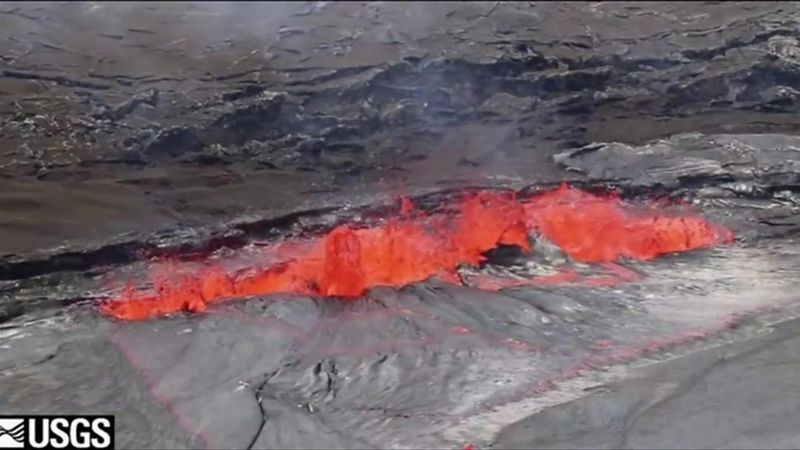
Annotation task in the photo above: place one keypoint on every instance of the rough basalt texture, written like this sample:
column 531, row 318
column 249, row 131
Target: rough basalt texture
column 133, row 132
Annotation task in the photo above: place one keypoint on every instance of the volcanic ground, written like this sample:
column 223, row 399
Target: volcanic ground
column 403, row 225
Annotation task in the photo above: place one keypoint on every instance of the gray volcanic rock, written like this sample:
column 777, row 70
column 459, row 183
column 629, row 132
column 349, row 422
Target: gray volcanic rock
column 131, row 133
column 763, row 159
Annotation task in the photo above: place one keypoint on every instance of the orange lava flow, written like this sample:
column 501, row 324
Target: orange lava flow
column 413, row 247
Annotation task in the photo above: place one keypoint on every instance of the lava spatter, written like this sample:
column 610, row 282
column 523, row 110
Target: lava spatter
column 596, row 229
column 411, row 248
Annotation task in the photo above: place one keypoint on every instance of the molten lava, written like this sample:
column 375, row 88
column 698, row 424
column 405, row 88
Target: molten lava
column 414, row 247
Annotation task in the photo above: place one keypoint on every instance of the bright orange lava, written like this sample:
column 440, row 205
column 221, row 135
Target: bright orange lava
column 348, row 261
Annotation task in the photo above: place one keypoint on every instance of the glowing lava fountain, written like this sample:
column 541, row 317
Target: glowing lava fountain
column 415, row 246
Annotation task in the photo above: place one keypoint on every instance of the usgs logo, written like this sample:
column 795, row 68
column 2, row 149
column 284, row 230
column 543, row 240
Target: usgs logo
column 57, row 432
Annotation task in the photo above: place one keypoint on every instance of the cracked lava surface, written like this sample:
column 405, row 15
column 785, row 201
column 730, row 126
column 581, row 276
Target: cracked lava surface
column 238, row 158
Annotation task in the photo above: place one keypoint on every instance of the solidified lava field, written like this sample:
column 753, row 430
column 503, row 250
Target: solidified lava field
column 403, row 225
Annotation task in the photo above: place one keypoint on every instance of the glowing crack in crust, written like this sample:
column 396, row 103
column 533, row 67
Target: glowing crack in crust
column 415, row 246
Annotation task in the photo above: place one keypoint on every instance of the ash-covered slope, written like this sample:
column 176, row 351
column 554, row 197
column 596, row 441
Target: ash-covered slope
column 730, row 396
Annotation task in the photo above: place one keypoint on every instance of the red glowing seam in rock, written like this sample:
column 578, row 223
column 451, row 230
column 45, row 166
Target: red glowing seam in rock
column 413, row 247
